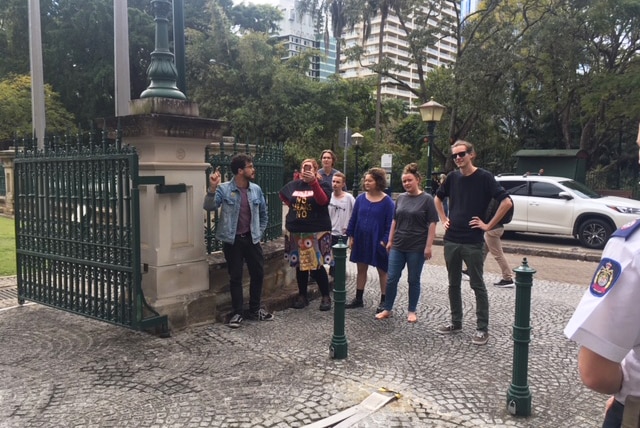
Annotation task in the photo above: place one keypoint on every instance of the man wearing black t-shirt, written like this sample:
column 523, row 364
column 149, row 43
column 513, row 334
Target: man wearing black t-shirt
column 469, row 189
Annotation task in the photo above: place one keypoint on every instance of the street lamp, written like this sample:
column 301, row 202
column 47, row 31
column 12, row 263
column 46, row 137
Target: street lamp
column 431, row 113
column 357, row 140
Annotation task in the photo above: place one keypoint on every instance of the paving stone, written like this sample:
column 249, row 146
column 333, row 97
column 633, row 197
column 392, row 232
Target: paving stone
column 60, row 369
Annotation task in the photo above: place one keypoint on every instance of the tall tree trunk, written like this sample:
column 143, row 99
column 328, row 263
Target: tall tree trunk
column 338, row 53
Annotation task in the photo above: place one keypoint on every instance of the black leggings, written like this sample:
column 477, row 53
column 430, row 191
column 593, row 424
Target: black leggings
column 320, row 276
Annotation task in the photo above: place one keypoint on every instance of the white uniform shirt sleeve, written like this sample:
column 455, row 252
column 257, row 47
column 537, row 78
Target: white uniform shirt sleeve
column 609, row 325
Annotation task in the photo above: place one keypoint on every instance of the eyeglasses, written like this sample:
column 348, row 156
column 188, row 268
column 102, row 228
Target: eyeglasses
column 459, row 155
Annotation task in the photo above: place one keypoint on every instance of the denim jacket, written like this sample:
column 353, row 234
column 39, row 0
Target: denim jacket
column 227, row 196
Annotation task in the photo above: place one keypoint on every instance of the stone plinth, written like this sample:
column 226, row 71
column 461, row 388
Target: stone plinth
column 172, row 224
column 164, row 106
column 214, row 304
column 6, row 160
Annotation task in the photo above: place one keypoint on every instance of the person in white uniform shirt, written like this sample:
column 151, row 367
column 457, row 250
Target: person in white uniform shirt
column 606, row 324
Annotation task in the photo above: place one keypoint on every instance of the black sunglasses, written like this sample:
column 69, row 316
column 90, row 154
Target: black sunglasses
column 459, row 155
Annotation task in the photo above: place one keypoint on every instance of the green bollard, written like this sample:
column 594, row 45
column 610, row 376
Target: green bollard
column 518, row 394
column 338, row 348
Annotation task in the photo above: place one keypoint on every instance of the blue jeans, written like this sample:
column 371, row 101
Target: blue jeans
column 471, row 254
column 414, row 262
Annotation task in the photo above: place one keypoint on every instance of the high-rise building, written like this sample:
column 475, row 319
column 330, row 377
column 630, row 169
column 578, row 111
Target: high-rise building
column 298, row 33
column 467, row 7
column 395, row 47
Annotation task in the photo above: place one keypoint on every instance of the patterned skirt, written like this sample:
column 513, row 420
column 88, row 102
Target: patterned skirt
column 308, row 251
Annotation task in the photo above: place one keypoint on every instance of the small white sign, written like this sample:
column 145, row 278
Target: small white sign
column 386, row 161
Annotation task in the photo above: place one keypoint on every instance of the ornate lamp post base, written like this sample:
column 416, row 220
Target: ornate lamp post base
column 162, row 70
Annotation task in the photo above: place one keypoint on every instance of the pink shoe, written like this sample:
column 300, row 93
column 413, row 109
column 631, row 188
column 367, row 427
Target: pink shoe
column 412, row 317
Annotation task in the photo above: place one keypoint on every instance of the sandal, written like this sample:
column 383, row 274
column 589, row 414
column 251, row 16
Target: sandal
column 412, row 317
column 384, row 315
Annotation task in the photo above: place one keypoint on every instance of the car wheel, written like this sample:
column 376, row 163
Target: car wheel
column 594, row 233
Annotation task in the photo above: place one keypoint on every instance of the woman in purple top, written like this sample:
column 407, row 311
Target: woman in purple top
column 368, row 233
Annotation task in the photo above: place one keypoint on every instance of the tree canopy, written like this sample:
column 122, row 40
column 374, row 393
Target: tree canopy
column 528, row 74
column 15, row 109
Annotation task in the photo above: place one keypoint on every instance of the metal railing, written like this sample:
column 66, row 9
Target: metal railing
column 77, row 222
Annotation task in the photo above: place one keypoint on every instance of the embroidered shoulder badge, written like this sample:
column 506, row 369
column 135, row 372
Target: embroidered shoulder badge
column 627, row 230
column 605, row 277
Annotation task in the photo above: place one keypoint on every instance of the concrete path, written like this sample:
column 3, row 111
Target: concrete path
column 63, row 370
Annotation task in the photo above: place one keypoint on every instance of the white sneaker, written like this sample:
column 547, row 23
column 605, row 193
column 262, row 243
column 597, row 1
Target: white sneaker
column 465, row 275
column 480, row 337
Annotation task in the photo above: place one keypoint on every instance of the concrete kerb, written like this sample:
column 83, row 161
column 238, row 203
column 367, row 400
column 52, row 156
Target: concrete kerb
column 532, row 250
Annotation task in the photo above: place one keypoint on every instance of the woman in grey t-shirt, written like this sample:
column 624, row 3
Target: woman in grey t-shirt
column 410, row 240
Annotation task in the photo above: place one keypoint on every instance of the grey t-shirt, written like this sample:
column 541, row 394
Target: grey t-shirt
column 414, row 214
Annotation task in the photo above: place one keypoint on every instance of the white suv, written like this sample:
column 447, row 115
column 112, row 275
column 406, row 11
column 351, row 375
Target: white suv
column 561, row 206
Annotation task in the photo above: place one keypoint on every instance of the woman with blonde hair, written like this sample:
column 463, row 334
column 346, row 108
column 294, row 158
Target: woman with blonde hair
column 410, row 240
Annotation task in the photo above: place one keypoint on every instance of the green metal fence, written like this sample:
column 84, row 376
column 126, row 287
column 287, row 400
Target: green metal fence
column 268, row 158
column 77, row 217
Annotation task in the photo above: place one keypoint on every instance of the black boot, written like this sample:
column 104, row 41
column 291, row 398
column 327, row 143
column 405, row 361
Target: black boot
column 355, row 303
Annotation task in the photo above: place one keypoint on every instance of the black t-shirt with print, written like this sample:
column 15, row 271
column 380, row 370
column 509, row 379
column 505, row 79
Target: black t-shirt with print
column 305, row 215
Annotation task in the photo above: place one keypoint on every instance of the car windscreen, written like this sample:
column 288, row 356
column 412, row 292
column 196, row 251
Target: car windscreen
column 580, row 189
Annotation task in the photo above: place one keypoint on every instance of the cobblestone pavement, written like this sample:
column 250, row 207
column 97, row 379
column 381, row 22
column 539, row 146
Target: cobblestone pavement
column 59, row 369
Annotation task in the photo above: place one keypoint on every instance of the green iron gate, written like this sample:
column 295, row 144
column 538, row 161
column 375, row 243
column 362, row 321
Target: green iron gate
column 77, row 217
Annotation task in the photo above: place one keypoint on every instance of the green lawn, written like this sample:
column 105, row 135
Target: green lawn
column 7, row 247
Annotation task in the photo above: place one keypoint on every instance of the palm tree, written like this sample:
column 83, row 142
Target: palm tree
column 343, row 13
column 372, row 8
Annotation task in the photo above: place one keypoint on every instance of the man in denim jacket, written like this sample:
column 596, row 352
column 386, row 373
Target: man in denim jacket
column 241, row 224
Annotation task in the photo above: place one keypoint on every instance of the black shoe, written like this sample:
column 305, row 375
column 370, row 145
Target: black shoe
column 300, row 302
column 261, row 315
column 325, row 304
column 235, row 321
column 449, row 329
column 504, row 283
column 355, row 303
column 380, row 307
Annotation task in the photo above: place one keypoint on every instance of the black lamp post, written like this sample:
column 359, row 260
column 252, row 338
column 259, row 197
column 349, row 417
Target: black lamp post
column 431, row 113
column 357, row 140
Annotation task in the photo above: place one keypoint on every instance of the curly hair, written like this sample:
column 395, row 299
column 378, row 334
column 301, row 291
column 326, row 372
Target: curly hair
column 239, row 161
column 379, row 175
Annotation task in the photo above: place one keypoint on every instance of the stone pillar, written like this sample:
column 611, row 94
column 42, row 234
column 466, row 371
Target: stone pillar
column 170, row 140
column 6, row 159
